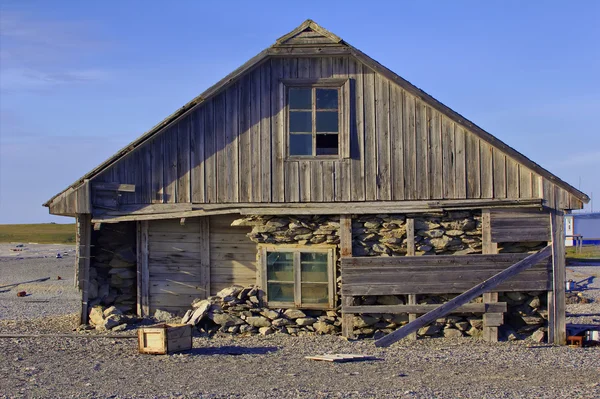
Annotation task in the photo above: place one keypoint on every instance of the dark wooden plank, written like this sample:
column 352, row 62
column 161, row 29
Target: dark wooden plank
column 232, row 144
column 487, row 170
column 278, row 131
column 170, row 179
column 183, row 160
column 448, row 158
column 410, row 147
column 220, row 111
column 197, row 137
column 304, row 173
column 245, row 170
column 210, row 153
column 316, row 181
column 328, row 181
column 382, row 132
column 357, row 134
column 256, row 150
column 472, row 166
column 158, row 169
column 267, row 163
column 292, row 185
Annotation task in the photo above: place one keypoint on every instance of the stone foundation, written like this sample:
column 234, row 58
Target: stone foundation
column 113, row 271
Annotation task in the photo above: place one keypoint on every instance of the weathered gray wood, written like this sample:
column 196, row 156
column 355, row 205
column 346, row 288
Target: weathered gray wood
column 422, row 151
column 316, row 181
column 356, row 131
column 448, row 158
column 487, row 170
column 512, row 178
column 464, row 298
column 522, row 225
column 255, row 150
column 557, row 323
column 245, row 171
column 472, row 166
column 231, row 144
column 205, row 256
column 210, row 153
column 490, row 331
column 83, row 239
column 346, row 251
column 397, row 143
column 130, row 188
column 328, row 181
column 499, row 160
column 197, row 149
column 436, row 189
column 183, row 161
column 267, row 162
column 370, row 137
column 278, row 131
column 382, row 132
column 410, row 148
column 461, row 173
column 143, row 273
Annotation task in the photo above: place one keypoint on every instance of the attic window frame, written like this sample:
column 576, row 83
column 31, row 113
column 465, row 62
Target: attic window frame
column 343, row 86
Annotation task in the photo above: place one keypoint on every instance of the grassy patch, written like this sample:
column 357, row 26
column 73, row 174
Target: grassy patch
column 43, row 233
column 588, row 253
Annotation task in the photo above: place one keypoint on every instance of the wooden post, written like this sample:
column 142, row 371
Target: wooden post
column 410, row 251
column 143, row 274
column 465, row 297
column 346, row 251
column 557, row 329
column 84, row 239
column 205, row 254
column 490, row 328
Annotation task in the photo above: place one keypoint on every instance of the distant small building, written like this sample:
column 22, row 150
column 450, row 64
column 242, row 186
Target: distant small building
column 586, row 225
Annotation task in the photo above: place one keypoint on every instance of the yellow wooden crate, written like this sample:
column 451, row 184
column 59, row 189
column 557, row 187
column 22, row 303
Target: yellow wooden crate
column 161, row 339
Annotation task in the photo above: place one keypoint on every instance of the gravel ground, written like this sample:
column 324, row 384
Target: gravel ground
column 272, row 366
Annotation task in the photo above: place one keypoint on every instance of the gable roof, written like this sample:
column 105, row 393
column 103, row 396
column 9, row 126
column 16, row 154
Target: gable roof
column 325, row 42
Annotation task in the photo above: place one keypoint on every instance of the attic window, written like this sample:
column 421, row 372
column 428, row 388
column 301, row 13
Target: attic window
column 315, row 118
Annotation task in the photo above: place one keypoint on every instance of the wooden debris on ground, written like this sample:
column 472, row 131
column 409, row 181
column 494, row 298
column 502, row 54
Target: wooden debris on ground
column 342, row 358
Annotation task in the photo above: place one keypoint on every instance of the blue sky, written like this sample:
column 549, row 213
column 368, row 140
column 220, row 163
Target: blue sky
column 79, row 80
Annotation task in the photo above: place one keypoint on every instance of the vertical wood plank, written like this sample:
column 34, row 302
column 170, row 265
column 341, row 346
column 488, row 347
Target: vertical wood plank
column 316, row 181
column 397, row 143
column 382, row 131
column 473, row 166
column 245, row 182
column 170, row 178
column 157, row 169
column 448, row 158
column 499, row 174
column 436, row 189
column 559, row 332
column 512, row 178
column 422, row 151
column 292, row 185
column 490, row 334
column 210, row 153
column 267, row 151
column 345, row 252
column 487, row 170
column 197, row 157
column 370, row 139
column 83, row 239
column 231, row 144
column 305, row 175
column 328, row 173
column 460, row 169
column 183, row 159
column 220, row 148
column 204, row 227
column 143, row 273
column 256, row 151
column 357, row 136
column 410, row 251
column 410, row 147
column 525, row 182
column 278, row 130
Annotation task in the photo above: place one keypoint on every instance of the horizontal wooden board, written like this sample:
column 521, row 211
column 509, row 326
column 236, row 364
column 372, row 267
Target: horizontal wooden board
column 434, row 261
column 174, row 247
column 174, row 237
column 425, row 308
column 519, row 226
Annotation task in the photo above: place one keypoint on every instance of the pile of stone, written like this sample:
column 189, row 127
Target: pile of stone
column 113, row 267
column 450, row 233
column 110, row 318
column 239, row 310
column 376, row 235
column 527, row 315
column 303, row 230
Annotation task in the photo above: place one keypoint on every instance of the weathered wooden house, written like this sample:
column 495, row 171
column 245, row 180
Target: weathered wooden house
column 320, row 175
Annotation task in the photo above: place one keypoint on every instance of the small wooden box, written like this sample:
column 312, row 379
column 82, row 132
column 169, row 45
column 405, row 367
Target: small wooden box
column 162, row 339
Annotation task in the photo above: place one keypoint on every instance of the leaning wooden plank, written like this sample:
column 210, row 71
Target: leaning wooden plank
column 464, row 298
column 496, row 307
column 341, row 358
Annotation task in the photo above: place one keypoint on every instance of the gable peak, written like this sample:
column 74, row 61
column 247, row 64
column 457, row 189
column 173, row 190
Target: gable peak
column 308, row 26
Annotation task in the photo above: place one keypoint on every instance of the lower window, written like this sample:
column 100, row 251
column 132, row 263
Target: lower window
column 298, row 277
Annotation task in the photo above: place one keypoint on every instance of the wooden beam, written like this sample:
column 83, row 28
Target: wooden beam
column 83, row 238
column 464, row 298
column 557, row 333
column 128, row 188
column 205, row 254
column 410, row 251
column 345, row 252
column 143, row 273
column 498, row 307
column 490, row 332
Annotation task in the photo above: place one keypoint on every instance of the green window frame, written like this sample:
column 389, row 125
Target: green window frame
column 298, row 277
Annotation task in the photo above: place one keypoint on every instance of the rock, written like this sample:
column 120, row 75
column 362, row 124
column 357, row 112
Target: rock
column 126, row 254
column 516, row 297
column 292, row 330
column 454, row 233
column 422, row 224
column 429, row 330
column 112, row 310
column 306, row 321
column 538, row 336
column 199, row 312
column 280, row 322
column 443, row 242
column 425, row 248
column 186, row 317
column 435, row 233
column 294, row 314
column 475, row 332
column 226, row 320
column 475, row 322
column 266, row 331
column 96, row 315
column 463, row 325
column 258, row 321
column 109, row 322
column 361, row 321
column 324, row 328
column 372, row 225
column 270, row 314
column 229, row 291
column 389, row 300
column 117, row 262
column 120, row 327
column 245, row 328
column 452, row 333
column 533, row 320
column 535, row 302
column 162, row 315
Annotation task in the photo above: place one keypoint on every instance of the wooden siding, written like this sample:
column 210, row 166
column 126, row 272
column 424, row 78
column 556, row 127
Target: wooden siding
column 232, row 254
column 232, row 149
column 442, row 274
column 519, row 226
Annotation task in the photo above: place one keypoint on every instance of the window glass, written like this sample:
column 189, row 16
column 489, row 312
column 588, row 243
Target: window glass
column 300, row 144
column 327, row 144
column 280, row 266
column 300, row 98
column 315, row 293
column 327, row 121
column 280, row 292
column 327, row 98
column 313, row 267
column 301, row 121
